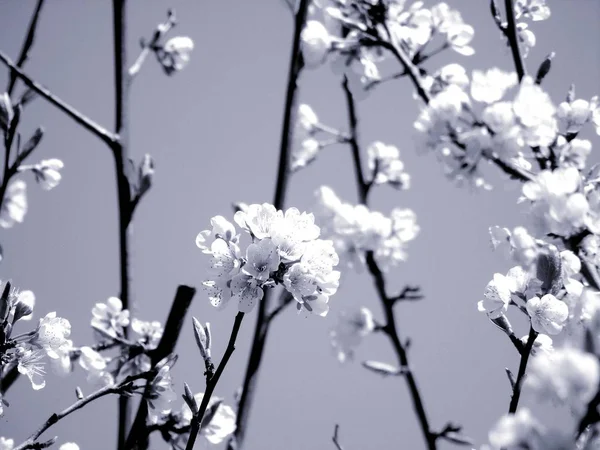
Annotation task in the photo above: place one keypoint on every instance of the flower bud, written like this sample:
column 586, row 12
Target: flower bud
column 544, row 68
column 145, row 174
column 189, row 399
column 202, row 339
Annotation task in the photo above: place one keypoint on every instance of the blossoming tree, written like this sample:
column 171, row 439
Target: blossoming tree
column 266, row 256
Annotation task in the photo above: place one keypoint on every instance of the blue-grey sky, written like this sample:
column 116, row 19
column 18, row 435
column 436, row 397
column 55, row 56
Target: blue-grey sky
column 213, row 131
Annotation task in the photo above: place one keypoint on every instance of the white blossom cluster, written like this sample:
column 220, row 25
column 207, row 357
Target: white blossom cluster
column 355, row 230
column 285, row 249
column 533, row 10
column 353, row 34
column 28, row 350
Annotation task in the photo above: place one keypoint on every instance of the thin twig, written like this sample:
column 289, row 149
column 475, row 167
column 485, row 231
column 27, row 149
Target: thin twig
column 514, row 401
column 120, row 388
column 262, row 324
column 513, row 39
column 78, row 117
column 212, row 383
column 27, row 44
column 147, row 47
column 335, row 440
column 362, row 186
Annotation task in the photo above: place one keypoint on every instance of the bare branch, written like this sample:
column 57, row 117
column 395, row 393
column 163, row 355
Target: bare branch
column 78, row 117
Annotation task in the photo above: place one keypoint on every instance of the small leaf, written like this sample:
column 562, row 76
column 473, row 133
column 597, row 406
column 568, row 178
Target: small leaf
column 210, row 413
column 511, row 377
column 28, row 96
column 544, row 68
column 31, row 144
column 503, row 323
column 383, row 368
column 549, row 271
column 201, row 338
column 458, row 438
column 189, row 398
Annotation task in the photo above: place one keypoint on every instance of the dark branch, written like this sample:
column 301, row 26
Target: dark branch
column 27, row 44
column 514, row 401
column 78, row 117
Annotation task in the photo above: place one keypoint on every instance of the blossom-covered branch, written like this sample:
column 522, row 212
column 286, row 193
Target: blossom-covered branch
column 125, row 387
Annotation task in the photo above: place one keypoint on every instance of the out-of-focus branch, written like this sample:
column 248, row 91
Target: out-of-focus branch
column 124, row 387
column 335, row 439
column 78, row 117
column 262, row 323
column 211, row 384
column 27, row 44
column 138, row 433
column 513, row 39
column 514, row 401
column 387, row 302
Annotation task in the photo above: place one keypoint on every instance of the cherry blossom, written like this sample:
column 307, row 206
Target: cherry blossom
column 110, row 317
column 548, row 314
column 221, row 425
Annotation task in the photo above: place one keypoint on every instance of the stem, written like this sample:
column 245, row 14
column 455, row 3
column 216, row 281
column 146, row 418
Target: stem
column 78, row 117
column 335, row 440
column 513, row 39
column 27, row 44
column 120, row 388
column 121, row 153
column 361, row 184
column 387, row 303
column 514, row 401
column 262, row 324
column 401, row 353
column 212, row 383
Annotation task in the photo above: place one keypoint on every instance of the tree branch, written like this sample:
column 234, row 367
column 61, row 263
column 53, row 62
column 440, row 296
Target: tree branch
column 514, row 401
column 27, row 44
column 123, row 387
column 87, row 123
column 262, row 324
column 387, row 303
column 335, row 440
column 181, row 303
column 513, row 39
column 212, row 383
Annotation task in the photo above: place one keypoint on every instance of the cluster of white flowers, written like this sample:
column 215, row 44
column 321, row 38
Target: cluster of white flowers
column 454, row 126
column 350, row 32
column 355, row 230
column 27, row 350
column 562, row 202
column 386, row 166
column 285, row 249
